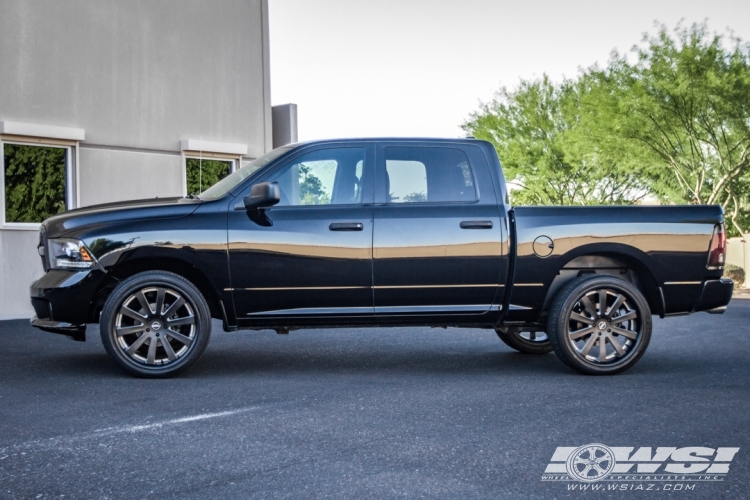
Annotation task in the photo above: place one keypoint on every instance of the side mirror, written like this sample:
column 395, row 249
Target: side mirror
column 263, row 195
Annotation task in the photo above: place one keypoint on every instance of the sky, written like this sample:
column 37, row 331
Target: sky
column 358, row 68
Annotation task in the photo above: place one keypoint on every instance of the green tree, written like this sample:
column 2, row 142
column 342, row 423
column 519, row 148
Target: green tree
column 685, row 98
column 311, row 191
column 202, row 174
column 415, row 197
column 34, row 182
column 546, row 152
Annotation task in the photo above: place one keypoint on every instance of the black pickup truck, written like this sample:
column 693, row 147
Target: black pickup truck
column 375, row 232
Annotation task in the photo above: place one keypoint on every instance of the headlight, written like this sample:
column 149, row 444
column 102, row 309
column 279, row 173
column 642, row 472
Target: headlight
column 69, row 254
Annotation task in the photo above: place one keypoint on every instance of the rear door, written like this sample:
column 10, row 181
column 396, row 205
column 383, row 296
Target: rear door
column 437, row 236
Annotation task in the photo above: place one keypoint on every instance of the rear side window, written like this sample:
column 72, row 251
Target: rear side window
column 428, row 175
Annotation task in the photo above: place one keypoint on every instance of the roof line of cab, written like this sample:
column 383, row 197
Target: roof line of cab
column 385, row 139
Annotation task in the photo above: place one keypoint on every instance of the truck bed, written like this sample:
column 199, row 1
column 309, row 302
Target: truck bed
column 663, row 248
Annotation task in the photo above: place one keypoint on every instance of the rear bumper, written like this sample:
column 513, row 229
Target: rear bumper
column 715, row 296
column 75, row 332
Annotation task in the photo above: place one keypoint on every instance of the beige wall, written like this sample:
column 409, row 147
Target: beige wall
column 738, row 254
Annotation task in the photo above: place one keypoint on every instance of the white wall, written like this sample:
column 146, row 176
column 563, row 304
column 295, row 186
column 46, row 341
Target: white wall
column 139, row 73
column 138, row 76
column 108, row 175
column 21, row 265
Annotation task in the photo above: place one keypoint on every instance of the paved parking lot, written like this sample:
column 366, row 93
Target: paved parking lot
column 412, row 412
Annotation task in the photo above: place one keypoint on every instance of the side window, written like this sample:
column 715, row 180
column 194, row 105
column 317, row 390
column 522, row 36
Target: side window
column 322, row 177
column 424, row 174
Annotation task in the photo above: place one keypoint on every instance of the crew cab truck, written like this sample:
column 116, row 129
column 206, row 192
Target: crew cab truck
column 375, row 233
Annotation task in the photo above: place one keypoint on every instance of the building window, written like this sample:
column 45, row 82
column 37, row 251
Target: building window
column 202, row 173
column 35, row 182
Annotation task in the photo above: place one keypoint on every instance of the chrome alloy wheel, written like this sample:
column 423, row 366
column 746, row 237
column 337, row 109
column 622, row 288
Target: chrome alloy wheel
column 155, row 326
column 604, row 327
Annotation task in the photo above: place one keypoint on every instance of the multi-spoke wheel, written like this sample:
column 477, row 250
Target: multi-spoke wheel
column 599, row 324
column 526, row 342
column 155, row 324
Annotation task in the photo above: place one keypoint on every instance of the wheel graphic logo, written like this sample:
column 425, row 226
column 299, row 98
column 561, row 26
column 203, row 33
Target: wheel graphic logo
column 590, row 463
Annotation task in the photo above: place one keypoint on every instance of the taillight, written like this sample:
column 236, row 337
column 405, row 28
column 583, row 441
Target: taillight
column 717, row 251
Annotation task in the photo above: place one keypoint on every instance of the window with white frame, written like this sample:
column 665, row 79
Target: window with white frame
column 36, row 182
column 202, row 173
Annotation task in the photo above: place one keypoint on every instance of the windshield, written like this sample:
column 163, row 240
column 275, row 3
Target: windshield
column 232, row 180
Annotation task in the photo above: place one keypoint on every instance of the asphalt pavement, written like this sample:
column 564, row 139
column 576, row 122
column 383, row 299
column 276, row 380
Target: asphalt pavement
column 363, row 413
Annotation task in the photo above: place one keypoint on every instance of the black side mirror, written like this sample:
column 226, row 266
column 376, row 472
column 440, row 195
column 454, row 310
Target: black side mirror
column 263, row 195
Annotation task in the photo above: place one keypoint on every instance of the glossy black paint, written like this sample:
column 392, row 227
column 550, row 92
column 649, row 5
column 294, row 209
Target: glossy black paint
column 667, row 247
column 375, row 263
column 715, row 295
column 298, row 264
column 73, row 332
column 445, row 258
column 304, row 263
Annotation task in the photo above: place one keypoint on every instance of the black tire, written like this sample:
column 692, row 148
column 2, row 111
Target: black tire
column 618, row 333
column 155, row 324
column 536, row 343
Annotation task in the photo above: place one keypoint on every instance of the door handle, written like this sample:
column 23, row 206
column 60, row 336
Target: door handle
column 476, row 224
column 346, row 226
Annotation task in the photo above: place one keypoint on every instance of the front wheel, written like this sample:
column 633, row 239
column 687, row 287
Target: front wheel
column 599, row 325
column 155, row 324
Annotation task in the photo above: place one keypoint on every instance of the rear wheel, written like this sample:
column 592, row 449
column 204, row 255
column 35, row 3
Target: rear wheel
column 155, row 324
column 599, row 325
column 526, row 342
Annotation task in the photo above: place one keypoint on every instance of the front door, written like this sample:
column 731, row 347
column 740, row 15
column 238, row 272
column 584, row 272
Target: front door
column 310, row 255
column 437, row 242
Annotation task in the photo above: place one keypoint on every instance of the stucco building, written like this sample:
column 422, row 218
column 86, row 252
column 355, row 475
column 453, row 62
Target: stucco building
column 122, row 94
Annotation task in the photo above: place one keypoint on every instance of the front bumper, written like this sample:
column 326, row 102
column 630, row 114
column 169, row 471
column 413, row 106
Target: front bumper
column 63, row 300
column 75, row 332
column 715, row 296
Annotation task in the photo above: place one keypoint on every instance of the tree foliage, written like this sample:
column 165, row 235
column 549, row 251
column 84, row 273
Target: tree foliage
column 687, row 100
column 536, row 129
column 415, row 197
column 671, row 120
column 34, row 182
column 311, row 190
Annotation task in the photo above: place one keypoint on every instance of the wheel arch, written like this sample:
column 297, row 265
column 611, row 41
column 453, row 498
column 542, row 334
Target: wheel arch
column 171, row 264
column 625, row 262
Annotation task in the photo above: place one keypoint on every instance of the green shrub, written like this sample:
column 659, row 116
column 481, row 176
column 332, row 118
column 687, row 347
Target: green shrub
column 34, row 182
column 202, row 174
column 736, row 273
